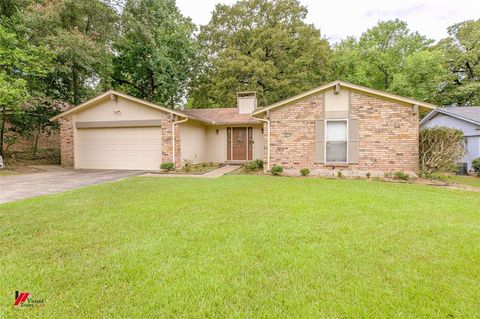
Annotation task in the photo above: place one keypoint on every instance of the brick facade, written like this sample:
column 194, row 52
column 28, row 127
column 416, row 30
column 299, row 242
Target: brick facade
column 167, row 144
column 67, row 149
column 388, row 136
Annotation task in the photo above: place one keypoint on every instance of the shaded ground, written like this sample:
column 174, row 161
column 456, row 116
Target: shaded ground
column 24, row 163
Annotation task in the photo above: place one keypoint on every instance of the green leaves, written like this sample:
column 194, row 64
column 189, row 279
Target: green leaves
column 259, row 45
column 156, row 53
column 391, row 58
column 21, row 64
column 462, row 59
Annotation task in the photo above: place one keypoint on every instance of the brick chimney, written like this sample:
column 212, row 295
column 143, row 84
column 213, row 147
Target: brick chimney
column 246, row 102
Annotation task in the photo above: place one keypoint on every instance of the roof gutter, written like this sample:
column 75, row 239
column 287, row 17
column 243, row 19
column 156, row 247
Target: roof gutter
column 173, row 136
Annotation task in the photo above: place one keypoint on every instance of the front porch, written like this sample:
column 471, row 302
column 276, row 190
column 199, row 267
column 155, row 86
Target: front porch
column 230, row 144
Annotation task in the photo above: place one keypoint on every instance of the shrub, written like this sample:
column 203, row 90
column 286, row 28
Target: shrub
column 368, row 174
column 258, row 163
column 276, row 170
column 253, row 165
column 440, row 148
column 304, row 171
column 167, row 166
column 340, row 174
column 401, row 175
column 250, row 166
column 476, row 165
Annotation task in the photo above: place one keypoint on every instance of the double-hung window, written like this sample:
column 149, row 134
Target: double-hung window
column 336, row 141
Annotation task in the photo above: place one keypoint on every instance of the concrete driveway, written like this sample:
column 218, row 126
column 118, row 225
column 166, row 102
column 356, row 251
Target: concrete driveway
column 15, row 187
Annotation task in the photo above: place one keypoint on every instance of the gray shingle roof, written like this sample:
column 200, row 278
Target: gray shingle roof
column 471, row 113
column 221, row 116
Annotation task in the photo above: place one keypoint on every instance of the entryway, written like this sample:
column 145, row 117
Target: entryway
column 239, row 143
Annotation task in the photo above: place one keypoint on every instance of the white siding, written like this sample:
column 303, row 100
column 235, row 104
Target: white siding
column 469, row 129
column 473, row 150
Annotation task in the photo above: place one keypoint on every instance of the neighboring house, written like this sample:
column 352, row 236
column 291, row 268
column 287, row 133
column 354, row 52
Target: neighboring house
column 464, row 118
column 335, row 126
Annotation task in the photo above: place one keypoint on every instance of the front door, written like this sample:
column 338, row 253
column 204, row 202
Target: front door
column 239, row 144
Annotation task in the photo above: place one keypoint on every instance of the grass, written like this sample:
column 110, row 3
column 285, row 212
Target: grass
column 465, row 180
column 244, row 246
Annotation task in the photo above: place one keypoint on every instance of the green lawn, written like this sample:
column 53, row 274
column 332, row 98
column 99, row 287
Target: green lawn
column 244, row 246
column 464, row 180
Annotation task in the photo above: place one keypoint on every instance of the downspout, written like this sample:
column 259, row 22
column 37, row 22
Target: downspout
column 268, row 140
column 173, row 136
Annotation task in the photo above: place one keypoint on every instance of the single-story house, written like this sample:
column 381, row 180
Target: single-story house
column 464, row 118
column 335, row 126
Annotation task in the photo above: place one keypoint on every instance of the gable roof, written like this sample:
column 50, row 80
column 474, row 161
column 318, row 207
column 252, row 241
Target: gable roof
column 424, row 105
column 465, row 113
column 220, row 116
column 125, row 96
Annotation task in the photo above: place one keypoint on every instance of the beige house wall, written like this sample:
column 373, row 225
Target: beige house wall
column 216, row 144
column 258, row 142
column 119, row 109
column 216, row 150
column 193, row 142
column 336, row 102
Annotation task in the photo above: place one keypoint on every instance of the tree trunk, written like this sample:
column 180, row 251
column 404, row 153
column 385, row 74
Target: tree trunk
column 2, row 129
column 151, row 81
column 76, row 94
column 35, row 145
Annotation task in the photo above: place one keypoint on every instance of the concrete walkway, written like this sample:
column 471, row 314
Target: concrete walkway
column 212, row 174
column 221, row 171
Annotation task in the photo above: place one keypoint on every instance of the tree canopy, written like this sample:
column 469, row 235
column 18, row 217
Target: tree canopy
column 462, row 60
column 155, row 51
column 389, row 57
column 259, row 45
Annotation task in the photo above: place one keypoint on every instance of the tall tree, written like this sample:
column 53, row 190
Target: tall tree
column 155, row 52
column 389, row 57
column 259, row 45
column 35, row 119
column 20, row 64
column 462, row 52
column 80, row 33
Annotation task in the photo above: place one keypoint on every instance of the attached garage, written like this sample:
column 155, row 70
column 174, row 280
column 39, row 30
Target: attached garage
column 118, row 131
column 135, row 148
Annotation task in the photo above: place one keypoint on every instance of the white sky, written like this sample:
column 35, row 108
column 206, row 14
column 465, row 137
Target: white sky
column 338, row 19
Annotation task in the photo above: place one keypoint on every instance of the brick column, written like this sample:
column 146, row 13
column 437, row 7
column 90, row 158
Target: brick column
column 67, row 150
column 167, row 142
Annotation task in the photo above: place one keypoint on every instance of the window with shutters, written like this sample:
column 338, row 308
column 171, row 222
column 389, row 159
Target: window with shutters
column 336, row 141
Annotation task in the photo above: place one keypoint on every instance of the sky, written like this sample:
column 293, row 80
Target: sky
column 338, row 19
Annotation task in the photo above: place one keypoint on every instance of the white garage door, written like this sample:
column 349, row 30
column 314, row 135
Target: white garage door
column 136, row 148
